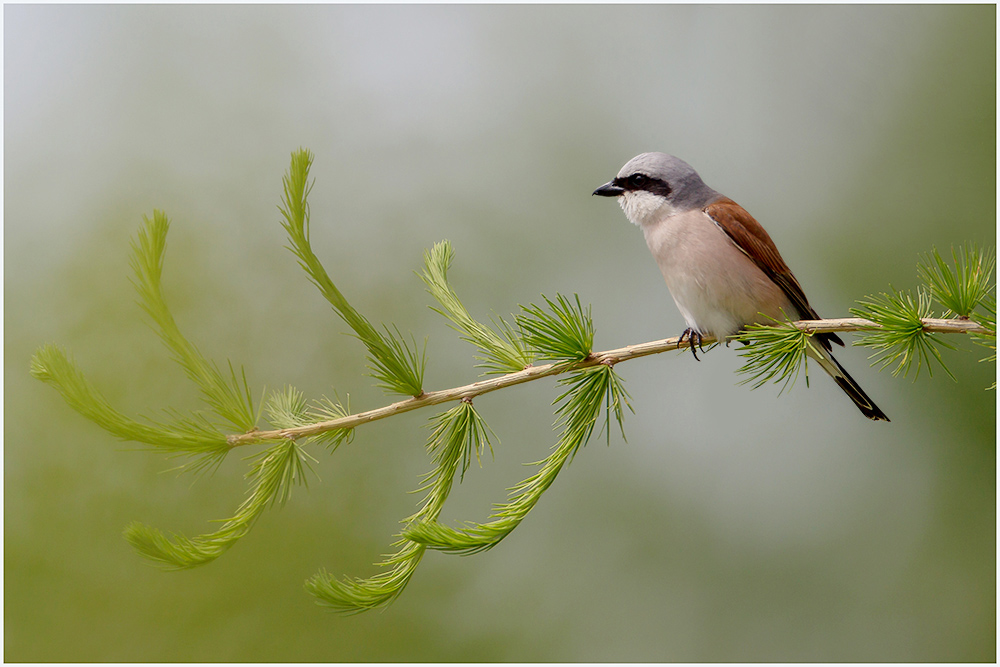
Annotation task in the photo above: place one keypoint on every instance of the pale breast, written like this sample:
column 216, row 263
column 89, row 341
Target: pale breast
column 717, row 288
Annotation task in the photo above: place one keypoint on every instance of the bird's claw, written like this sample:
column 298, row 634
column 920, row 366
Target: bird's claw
column 691, row 336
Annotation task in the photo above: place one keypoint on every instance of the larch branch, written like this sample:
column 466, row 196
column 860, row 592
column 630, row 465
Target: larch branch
column 535, row 372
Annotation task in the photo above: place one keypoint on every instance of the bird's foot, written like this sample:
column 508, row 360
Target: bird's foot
column 692, row 336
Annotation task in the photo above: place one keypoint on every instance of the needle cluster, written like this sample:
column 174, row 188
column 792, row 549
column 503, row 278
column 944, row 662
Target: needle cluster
column 965, row 290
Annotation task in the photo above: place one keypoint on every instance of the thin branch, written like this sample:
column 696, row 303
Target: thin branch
column 530, row 373
column 931, row 325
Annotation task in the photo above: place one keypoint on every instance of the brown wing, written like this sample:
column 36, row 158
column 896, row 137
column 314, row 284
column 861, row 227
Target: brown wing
column 754, row 242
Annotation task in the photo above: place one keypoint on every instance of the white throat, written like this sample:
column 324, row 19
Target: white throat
column 644, row 208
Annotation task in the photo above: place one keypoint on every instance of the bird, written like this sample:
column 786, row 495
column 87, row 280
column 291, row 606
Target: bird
column 721, row 268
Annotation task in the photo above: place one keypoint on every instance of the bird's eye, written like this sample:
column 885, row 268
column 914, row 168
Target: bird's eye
column 637, row 180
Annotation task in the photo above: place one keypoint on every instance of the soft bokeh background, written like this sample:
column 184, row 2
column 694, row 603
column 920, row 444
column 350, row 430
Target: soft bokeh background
column 733, row 524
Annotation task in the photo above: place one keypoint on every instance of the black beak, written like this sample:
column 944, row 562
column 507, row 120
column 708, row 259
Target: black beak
column 609, row 190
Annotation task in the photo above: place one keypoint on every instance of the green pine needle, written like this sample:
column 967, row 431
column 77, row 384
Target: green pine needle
column 396, row 366
column 988, row 318
column 502, row 352
column 775, row 353
column 902, row 339
column 192, row 435
column 456, row 434
column 352, row 595
column 227, row 395
column 273, row 472
column 464, row 425
column 962, row 289
column 288, row 409
column 589, row 390
column 967, row 291
column 564, row 334
column 230, row 397
column 325, row 409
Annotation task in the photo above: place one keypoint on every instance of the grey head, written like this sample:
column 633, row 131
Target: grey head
column 653, row 186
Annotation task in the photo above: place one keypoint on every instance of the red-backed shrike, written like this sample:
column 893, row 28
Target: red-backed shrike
column 720, row 266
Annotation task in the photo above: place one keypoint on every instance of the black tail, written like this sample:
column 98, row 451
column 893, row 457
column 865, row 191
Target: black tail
column 854, row 391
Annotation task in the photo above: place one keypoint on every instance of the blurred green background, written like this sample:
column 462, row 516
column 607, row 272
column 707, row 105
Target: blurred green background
column 733, row 524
